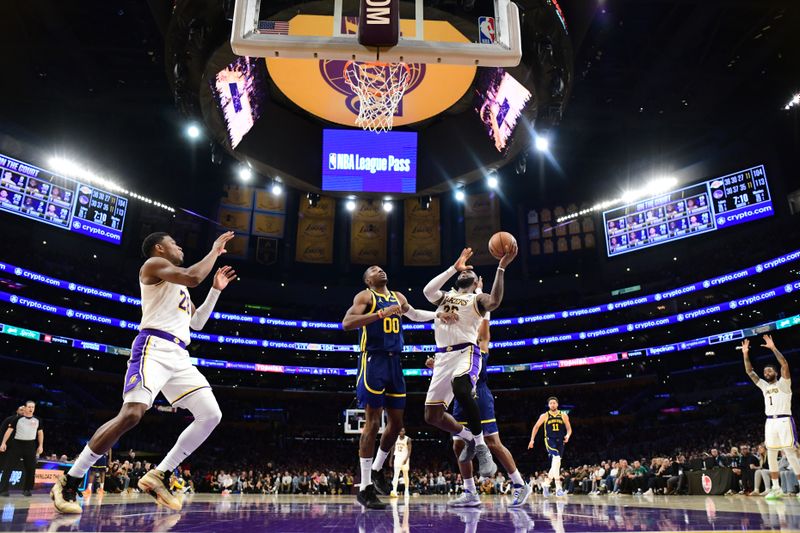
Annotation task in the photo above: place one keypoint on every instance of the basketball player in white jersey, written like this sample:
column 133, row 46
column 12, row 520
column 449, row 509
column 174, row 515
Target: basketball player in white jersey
column 159, row 362
column 402, row 458
column 781, row 434
column 458, row 358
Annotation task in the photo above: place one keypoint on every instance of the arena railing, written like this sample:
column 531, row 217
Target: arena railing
column 737, row 303
column 652, row 351
column 510, row 321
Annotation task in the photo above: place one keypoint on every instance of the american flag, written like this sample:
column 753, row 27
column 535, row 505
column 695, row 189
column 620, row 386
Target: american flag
column 273, row 27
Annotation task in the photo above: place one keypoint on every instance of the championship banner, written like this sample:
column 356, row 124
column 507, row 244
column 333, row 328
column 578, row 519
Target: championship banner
column 268, row 224
column 315, row 231
column 422, row 238
column 481, row 221
column 368, row 234
column 236, row 196
column 237, row 220
column 266, row 201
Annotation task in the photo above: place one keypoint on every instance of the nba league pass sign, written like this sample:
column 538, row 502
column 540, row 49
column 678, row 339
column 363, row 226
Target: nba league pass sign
column 362, row 161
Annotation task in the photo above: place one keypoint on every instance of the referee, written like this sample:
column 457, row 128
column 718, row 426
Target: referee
column 27, row 444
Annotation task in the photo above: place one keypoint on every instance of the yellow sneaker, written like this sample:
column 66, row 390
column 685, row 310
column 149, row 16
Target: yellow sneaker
column 156, row 484
column 393, row 495
column 65, row 496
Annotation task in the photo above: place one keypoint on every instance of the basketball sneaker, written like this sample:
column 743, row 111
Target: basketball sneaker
column 560, row 493
column 393, row 495
column 156, row 484
column 382, row 486
column 467, row 499
column 369, row 499
column 486, row 465
column 521, row 494
column 65, row 495
column 774, row 494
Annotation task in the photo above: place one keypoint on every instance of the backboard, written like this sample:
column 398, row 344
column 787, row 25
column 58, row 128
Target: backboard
column 430, row 31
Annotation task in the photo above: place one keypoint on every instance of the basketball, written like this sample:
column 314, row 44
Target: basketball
column 501, row 243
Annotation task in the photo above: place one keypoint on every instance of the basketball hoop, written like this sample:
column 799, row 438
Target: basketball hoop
column 380, row 88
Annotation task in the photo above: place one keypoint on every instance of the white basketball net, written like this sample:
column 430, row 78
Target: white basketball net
column 380, row 88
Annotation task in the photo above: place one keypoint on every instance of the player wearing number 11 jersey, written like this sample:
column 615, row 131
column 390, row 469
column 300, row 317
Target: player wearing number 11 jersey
column 377, row 312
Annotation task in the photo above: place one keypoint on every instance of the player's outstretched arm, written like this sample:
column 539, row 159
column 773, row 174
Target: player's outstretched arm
column 748, row 366
column 358, row 315
column 420, row 315
column 200, row 315
column 490, row 302
column 158, row 268
column 770, row 344
column 535, row 429
column 432, row 290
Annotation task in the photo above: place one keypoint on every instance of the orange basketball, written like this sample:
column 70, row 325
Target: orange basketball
column 501, row 243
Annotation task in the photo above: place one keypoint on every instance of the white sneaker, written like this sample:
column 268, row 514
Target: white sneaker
column 560, row 493
column 520, row 495
column 467, row 499
column 649, row 492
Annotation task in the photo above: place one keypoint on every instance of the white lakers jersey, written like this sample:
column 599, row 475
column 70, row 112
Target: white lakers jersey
column 777, row 396
column 401, row 447
column 166, row 306
column 469, row 319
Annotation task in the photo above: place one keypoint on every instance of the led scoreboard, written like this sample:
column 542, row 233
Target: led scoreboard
column 708, row 206
column 38, row 194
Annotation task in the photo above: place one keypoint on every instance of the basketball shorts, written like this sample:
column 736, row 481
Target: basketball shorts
column 554, row 446
column 486, row 407
column 380, row 381
column 780, row 433
column 160, row 365
column 398, row 466
column 456, row 361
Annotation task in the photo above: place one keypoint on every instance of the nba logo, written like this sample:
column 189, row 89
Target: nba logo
column 332, row 161
column 486, row 29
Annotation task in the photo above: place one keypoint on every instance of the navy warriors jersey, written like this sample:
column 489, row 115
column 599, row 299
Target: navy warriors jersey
column 383, row 335
column 554, row 428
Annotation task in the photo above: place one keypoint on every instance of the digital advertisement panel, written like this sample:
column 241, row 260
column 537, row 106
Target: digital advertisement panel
column 363, row 161
column 708, row 206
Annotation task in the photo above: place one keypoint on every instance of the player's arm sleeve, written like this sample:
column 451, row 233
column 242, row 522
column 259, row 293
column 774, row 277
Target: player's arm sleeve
column 202, row 313
column 432, row 290
column 419, row 315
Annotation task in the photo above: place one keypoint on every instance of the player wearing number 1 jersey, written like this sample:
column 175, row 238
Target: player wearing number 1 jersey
column 781, row 433
column 377, row 312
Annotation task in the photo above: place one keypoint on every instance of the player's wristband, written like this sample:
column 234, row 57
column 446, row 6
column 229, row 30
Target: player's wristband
column 501, row 269
column 380, row 313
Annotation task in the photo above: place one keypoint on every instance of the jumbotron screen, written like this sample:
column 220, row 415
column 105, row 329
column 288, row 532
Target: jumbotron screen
column 38, row 194
column 708, row 206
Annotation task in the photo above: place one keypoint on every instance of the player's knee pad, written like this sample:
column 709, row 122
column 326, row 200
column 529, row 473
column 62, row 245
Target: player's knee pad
column 204, row 407
column 555, row 467
column 463, row 389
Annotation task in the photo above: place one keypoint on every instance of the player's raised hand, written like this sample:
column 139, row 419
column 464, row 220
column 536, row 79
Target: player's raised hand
column 511, row 253
column 223, row 276
column 480, row 283
column 447, row 317
column 429, row 362
column 768, row 343
column 222, row 240
column 461, row 263
column 746, row 346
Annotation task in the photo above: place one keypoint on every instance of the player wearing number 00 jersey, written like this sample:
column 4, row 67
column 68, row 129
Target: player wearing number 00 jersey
column 780, row 431
column 159, row 363
column 377, row 312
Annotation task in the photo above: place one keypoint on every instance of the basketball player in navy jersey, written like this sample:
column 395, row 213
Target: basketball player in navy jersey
column 557, row 431
column 380, row 385
column 159, row 362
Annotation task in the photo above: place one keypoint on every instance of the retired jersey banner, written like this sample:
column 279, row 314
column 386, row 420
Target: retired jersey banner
column 237, row 220
column 315, row 231
column 422, row 239
column 236, row 196
column 238, row 246
column 368, row 234
column 266, row 201
column 481, row 221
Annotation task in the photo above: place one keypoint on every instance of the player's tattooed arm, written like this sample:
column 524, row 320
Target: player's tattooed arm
column 770, row 344
column 748, row 366
column 490, row 302
column 157, row 269
column 358, row 315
